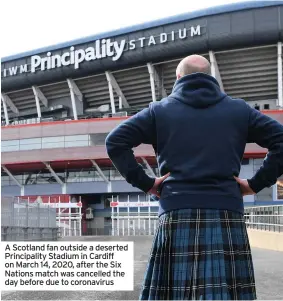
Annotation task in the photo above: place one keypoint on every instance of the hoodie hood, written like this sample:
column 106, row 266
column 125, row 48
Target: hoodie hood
column 198, row 90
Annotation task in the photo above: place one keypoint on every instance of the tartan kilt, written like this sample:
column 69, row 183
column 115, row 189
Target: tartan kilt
column 200, row 254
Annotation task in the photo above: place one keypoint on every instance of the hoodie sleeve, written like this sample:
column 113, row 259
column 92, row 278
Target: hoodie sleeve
column 120, row 143
column 267, row 133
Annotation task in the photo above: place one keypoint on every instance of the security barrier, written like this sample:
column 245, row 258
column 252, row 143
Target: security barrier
column 268, row 218
column 21, row 221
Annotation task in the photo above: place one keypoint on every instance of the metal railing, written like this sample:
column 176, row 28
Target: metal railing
column 268, row 218
column 21, row 221
column 92, row 115
column 15, row 233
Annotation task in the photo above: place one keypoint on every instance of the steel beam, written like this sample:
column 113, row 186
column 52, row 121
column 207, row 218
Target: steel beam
column 111, row 79
column 155, row 81
column 11, row 176
column 73, row 97
column 99, row 171
column 9, row 103
column 37, row 102
column 75, row 88
column 112, row 99
column 54, row 174
column 214, row 69
column 38, row 93
column 148, row 167
column 120, row 102
column 280, row 70
column 5, row 111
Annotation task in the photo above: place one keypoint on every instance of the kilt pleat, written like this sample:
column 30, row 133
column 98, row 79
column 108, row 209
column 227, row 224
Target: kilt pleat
column 200, row 254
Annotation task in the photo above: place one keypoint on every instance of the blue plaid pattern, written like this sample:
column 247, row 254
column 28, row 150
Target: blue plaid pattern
column 200, row 254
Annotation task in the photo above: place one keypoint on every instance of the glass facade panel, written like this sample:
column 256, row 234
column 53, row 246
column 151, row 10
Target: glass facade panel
column 30, row 141
column 77, row 138
column 10, row 145
column 77, row 143
column 19, row 178
column 97, row 177
column 280, row 188
column 53, row 145
column 10, row 142
column 30, row 146
column 5, row 181
column 98, row 139
column 52, row 139
column 45, row 142
column 115, row 175
column 11, row 148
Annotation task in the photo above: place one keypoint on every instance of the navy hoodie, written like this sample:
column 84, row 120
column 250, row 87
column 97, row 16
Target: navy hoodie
column 199, row 135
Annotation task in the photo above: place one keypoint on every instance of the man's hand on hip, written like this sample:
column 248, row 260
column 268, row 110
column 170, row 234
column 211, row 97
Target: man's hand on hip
column 244, row 186
column 155, row 188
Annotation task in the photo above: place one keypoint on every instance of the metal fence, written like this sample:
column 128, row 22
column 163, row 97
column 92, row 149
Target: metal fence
column 269, row 218
column 21, row 221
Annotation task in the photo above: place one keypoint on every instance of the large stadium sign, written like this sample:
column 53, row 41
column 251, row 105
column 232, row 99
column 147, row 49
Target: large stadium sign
column 105, row 48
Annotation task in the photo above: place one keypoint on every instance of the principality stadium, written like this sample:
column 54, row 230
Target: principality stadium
column 60, row 102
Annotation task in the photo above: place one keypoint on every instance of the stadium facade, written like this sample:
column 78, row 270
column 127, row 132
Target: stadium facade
column 60, row 102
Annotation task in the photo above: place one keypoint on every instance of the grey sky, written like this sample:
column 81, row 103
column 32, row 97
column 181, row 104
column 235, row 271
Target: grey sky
column 27, row 25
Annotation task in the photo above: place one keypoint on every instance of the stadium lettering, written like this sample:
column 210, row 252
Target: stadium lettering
column 101, row 49
column 165, row 37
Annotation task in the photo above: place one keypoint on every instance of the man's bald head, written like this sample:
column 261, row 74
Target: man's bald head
column 192, row 64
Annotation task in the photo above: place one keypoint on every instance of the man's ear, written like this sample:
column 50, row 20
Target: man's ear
column 178, row 76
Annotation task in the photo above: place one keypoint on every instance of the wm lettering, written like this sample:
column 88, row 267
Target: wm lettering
column 15, row 70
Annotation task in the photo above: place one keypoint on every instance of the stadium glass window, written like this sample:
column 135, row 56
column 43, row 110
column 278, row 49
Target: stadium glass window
column 52, row 139
column 20, row 179
column 98, row 139
column 76, row 143
column 30, row 141
column 10, row 145
column 53, row 145
column 97, row 177
column 115, row 175
column 72, row 176
column 29, row 144
column 87, row 176
column 280, row 188
column 266, row 106
column 257, row 107
column 245, row 161
column 5, row 181
column 76, row 138
column 53, row 142
column 38, row 178
column 107, row 173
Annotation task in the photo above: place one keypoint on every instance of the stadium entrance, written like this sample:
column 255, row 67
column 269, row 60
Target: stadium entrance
column 133, row 218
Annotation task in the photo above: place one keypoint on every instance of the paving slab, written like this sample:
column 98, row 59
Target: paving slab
column 268, row 272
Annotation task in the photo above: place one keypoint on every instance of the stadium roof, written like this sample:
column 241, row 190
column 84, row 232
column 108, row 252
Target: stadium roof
column 169, row 20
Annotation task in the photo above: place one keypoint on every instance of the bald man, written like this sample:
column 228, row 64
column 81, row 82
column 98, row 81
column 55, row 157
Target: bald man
column 201, row 249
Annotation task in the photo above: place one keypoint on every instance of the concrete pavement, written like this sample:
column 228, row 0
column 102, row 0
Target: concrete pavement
column 268, row 271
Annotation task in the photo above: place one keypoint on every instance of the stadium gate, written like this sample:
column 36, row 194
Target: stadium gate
column 133, row 218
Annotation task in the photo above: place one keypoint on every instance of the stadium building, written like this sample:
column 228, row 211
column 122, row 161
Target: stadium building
column 60, row 102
